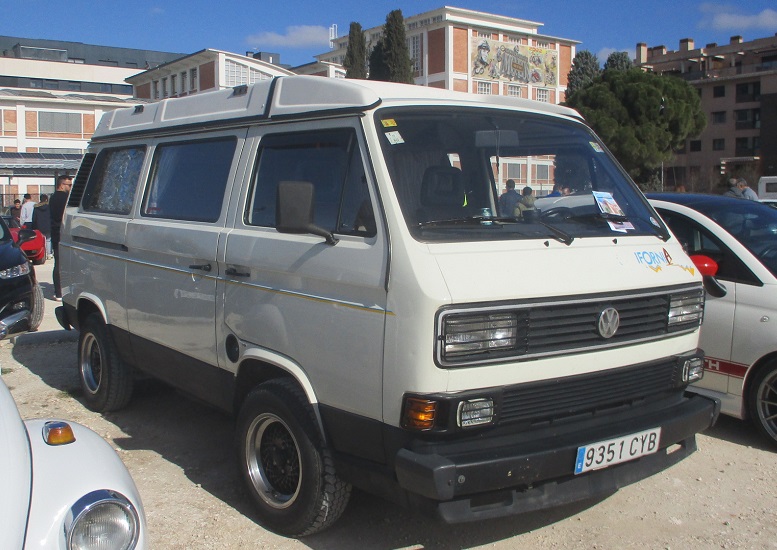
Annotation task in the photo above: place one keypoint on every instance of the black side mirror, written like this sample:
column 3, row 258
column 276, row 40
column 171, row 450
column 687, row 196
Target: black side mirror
column 24, row 236
column 294, row 210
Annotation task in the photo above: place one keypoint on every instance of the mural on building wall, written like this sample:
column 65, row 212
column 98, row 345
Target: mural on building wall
column 514, row 63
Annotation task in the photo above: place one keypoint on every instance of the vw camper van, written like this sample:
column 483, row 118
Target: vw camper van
column 324, row 259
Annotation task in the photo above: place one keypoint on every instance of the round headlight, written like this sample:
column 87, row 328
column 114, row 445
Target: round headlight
column 102, row 520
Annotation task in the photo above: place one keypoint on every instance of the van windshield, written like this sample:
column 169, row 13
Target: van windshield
column 476, row 174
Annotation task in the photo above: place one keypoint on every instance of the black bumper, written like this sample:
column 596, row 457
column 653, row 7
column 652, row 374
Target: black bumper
column 487, row 480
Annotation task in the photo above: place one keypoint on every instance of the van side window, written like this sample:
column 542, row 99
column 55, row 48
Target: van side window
column 332, row 162
column 113, row 180
column 188, row 180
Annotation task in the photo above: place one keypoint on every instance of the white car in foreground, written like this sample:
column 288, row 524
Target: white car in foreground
column 63, row 487
column 738, row 238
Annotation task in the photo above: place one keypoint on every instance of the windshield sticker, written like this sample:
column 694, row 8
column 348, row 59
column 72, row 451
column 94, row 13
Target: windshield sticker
column 596, row 147
column 395, row 138
column 607, row 203
column 657, row 261
column 621, row 227
column 389, row 123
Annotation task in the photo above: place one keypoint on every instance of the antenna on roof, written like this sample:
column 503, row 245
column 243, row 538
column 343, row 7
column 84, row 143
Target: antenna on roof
column 332, row 36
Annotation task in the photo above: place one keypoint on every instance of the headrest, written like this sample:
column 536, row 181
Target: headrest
column 442, row 186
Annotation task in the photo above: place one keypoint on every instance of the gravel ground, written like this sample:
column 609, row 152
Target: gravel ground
column 180, row 454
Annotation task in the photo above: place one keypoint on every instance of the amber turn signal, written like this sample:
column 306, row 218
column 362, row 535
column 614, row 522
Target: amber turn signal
column 56, row 432
column 418, row 414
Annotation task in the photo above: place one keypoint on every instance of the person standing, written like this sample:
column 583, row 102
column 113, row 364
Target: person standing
column 27, row 209
column 41, row 220
column 57, row 213
column 747, row 193
column 16, row 213
column 733, row 189
column 508, row 200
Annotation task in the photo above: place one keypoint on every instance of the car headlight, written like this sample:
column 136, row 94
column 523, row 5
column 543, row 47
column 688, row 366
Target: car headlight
column 15, row 271
column 472, row 334
column 102, row 520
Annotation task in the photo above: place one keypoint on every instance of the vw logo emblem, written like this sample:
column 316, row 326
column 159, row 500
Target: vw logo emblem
column 609, row 321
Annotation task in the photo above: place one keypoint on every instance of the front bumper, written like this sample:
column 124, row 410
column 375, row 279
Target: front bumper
column 15, row 306
column 512, row 474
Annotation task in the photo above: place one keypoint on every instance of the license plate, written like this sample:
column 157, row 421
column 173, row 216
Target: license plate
column 602, row 454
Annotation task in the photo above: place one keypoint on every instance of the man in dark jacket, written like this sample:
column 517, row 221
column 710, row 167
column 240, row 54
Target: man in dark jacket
column 41, row 220
column 57, row 212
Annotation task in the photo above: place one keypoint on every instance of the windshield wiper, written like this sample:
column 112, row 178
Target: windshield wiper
column 557, row 233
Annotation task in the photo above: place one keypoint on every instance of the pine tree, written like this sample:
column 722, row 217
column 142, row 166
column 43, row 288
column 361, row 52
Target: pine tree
column 585, row 68
column 618, row 61
column 355, row 61
column 390, row 59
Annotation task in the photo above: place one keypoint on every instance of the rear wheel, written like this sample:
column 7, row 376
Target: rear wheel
column 763, row 401
column 288, row 470
column 105, row 379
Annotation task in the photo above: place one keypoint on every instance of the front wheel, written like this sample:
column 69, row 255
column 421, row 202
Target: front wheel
column 763, row 401
column 37, row 307
column 288, row 470
column 106, row 380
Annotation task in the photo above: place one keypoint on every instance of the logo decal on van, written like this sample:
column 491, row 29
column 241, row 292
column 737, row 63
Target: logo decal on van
column 609, row 321
column 657, row 261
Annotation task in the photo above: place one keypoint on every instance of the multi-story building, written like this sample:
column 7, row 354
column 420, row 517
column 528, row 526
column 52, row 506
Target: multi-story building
column 204, row 71
column 480, row 53
column 52, row 94
column 737, row 83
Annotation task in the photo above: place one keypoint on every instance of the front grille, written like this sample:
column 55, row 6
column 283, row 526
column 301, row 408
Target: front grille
column 567, row 325
column 555, row 399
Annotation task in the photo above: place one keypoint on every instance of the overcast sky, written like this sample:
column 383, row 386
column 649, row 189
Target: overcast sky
column 300, row 29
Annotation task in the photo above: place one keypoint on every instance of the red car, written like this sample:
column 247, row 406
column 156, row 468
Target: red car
column 35, row 249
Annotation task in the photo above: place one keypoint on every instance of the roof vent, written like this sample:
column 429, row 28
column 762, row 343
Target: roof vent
column 240, row 90
column 138, row 109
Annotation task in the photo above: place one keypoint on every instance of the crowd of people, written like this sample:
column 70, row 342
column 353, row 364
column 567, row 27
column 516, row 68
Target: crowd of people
column 45, row 216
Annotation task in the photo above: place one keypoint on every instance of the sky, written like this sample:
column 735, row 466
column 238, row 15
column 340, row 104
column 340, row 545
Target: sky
column 299, row 29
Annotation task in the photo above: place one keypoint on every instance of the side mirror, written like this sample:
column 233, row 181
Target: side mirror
column 24, row 236
column 294, row 210
column 709, row 268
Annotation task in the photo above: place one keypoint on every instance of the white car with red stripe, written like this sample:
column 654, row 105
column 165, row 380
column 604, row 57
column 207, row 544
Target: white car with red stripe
column 734, row 244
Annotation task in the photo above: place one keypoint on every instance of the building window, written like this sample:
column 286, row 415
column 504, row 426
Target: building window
column 164, row 87
column 193, row 83
column 543, row 44
column 483, row 34
column 749, row 91
column 718, row 144
column 513, row 170
column 414, row 45
column 155, row 86
column 173, row 87
column 719, row 117
column 719, row 91
column 543, row 95
column 695, row 145
column 484, row 88
column 183, row 82
column 515, row 90
column 60, row 123
column 543, row 172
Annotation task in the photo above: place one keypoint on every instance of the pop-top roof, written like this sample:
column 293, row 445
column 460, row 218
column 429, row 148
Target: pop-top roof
column 294, row 97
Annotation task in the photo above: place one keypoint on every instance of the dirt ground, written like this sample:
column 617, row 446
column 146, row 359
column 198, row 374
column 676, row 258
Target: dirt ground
column 180, row 454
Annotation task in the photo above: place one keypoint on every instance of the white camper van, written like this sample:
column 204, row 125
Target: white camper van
column 323, row 259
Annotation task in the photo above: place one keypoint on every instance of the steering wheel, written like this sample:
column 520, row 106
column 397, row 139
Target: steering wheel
column 559, row 212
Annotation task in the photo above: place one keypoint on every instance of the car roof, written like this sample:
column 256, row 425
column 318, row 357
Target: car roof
column 702, row 202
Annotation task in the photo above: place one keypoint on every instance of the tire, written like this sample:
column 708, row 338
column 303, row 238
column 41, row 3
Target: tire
column 38, row 306
column 105, row 380
column 762, row 402
column 284, row 463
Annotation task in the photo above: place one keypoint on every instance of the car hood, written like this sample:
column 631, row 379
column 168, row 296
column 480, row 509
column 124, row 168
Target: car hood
column 10, row 255
column 16, row 468
column 535, row 270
